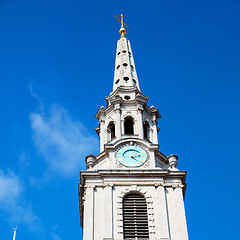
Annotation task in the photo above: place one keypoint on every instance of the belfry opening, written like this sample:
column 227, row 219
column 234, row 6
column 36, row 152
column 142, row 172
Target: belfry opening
column 128, row 125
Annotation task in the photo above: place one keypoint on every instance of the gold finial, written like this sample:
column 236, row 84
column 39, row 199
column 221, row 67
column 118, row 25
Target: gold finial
column 122, row 30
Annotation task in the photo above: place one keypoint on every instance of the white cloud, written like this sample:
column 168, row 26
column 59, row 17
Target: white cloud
column 63, row 143
column 55, row 236
column 10, row 186
column 12, row 204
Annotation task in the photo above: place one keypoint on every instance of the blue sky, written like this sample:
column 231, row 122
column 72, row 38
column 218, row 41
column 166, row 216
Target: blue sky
column 56, row 67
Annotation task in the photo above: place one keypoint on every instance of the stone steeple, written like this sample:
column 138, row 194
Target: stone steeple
column 126, row 104
column 130, row 183
column 125, row 72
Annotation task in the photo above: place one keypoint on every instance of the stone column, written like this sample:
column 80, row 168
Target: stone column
column 139, row 126
column 122, row 127
column 151, row 134
column 161, row 213
column 105, row 135
column 88, row 215
column 118, row 122
column 108, row 213
column 154, row 128
column 102, row 134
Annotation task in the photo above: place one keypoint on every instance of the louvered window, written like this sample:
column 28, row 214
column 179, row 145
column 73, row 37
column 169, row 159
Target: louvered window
column 135, row 218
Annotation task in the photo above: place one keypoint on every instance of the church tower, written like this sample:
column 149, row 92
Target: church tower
column 130, row 190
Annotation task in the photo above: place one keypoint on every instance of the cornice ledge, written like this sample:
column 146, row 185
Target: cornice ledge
column 153, row 111
column 176, row 174
column 100, row 155
column 131, row 139
column 162, row 156
column 133, row 172
column 116, row 100
column 140, row 95
column 100, row 112
column 84, row 174
column 122, row 89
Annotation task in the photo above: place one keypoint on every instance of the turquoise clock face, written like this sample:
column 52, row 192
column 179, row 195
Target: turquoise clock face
column 131, row 156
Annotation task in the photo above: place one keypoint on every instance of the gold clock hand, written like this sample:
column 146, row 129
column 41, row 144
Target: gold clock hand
column 137, row 160
column 137, row 155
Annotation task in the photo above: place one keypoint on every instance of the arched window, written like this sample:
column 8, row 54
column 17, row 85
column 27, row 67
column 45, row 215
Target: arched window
column 146, row 129
column 111, row 131
column 128, row 125
column 135, row 218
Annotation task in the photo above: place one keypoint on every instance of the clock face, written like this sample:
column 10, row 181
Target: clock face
column 131, row 156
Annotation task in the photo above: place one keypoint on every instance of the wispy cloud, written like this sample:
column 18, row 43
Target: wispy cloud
column 12, row 204
column 55, row 236
column 34, row 95
column 62, row 142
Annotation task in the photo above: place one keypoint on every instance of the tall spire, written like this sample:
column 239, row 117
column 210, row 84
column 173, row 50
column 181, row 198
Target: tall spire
column 14, row 234
column 125, row 72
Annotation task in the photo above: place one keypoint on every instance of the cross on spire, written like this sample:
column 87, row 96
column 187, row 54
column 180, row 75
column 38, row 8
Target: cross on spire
column 122, row 30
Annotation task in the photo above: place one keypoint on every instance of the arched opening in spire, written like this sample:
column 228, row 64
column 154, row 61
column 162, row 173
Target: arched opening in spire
column 146, row 130
column 111, row 131
column 135, row 217
column 128, row 125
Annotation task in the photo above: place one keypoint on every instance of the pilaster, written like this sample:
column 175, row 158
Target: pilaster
column 98, row 213
column 183, row 234
column 172, row 213
column 108, row 212
column 89, row 220
column 102, row 134
column 118, row 121
column 154, row 134
column 177, row 219
column 140, row 121
column 161, row 213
